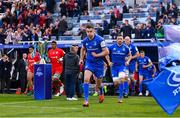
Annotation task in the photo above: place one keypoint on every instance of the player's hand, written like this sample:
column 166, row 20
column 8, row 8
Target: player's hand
column 136, row 70
column 110, row 63
column 127, row 63
column 144, row 66
column 153, row 75
column 94, row 54
column 26, row 67
column 81, row 61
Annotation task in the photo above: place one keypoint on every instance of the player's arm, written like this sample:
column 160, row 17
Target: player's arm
column 104, row 52
column 136, row 66
column 149, row 64
column 108, row 60
column 129, row 58
column 154, row 71
column 82, row 54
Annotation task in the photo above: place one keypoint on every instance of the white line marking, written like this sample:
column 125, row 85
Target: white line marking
column 9, row 103
column 18, row 106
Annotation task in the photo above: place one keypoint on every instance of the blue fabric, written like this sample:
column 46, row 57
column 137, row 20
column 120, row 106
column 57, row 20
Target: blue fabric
column 126, row 87
column 93, row 45
column 101, row 91
column 120, row 91
column 86, row 91
column 140, row 87
column 97, row 70
column 165, row 89
column 116, row 69
column 118, row 54
column 133, row 85
column 143, row 61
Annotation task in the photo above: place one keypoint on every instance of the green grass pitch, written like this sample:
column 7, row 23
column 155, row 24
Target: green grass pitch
column 23, row 106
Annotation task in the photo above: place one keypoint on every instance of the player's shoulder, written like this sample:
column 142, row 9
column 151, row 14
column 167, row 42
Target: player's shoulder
column 98, row 38
column 84, row 40
column 112, row 46
column 125, row 46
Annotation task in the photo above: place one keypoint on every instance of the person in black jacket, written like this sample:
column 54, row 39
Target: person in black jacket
column 71, row 61
column 5, row 66
column 22, row 69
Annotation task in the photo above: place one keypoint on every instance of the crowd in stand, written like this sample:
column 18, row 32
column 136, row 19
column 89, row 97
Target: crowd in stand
column 26, row 20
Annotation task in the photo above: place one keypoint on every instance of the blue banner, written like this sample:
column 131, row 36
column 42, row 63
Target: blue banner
column 165, row 89
column 172, row 33
column 168, row 53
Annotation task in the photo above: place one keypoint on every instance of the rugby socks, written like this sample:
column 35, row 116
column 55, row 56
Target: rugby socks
column 86, row 91
column 126, row 87
column 140, row 87
column 101, row 90
column 133, row 85
column 120, row 91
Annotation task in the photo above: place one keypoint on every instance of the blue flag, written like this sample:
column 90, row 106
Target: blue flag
column 165, row 89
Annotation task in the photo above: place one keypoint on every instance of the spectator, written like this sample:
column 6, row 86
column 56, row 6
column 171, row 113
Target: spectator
column 82, row 31
column 70, row 7
column 63, row 8
column 62, row 26
column 151, row 21
column 71, row 72
column 159, row 30
column 137, row 32
column 76, row 10
column 126, row 29
column 114, row 34
column 105, row 25
column 99, row 30
column 149, row 32
column 124, row 7
column 2, row 35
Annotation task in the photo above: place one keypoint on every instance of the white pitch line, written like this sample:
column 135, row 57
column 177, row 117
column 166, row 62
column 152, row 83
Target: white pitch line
column 18, row 106
column 9, row 103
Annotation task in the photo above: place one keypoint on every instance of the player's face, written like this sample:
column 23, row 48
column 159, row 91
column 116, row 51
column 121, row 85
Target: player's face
column 142, row 54
column 53, row 45
column 90, row 32
column 127, row 40
column 31, row 50
column 119, row 40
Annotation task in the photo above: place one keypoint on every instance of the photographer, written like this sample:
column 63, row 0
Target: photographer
column 5, row 66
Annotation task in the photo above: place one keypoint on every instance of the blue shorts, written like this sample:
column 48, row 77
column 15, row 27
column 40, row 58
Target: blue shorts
column 131, row 68
column 145, row 74
column 98, row 71
column 116, row 69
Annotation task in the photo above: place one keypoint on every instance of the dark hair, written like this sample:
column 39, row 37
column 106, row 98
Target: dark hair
column 54, row 42
column 31, row 47
column 90, row 25
column 142, row 51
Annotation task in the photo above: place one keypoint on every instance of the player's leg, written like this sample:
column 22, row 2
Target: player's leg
column 99, row 72
column 96, row 87
column 30, row 82
column 87, row 76
column 121, row 76
column 126, row 84
column 147, row 76
column 131, row 74
column 140, row 83
column 57, row 84
column 117, row 83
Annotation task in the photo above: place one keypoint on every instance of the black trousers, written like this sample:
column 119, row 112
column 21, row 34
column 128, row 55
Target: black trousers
column 5, row 83
column 23, row 82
